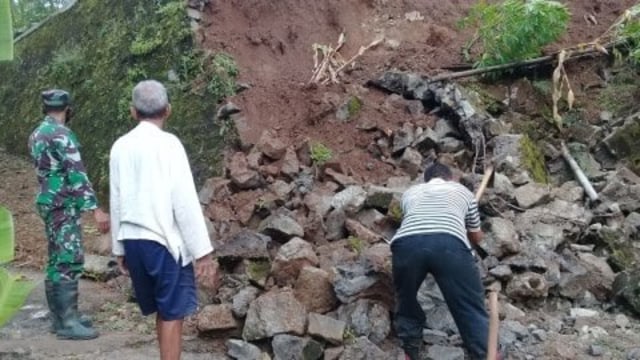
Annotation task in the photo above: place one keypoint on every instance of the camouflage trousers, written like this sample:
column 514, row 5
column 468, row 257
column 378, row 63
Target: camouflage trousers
column 64, row 234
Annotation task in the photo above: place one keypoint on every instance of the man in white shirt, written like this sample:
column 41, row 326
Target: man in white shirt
column 157, row 224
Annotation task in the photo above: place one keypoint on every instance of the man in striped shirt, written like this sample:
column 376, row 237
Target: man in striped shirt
column 440, row 222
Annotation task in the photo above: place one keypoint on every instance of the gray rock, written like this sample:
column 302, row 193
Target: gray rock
column 622, row 191
column 281, row 227
column 606, row 116
column 627, row 287
column 290, row 164
column 435, row 337
column 319, row 200
column 511, row 312
column 335, row 225
column 100, row 268
column 326, row 328
column 411, row 162
column 350, row 200
column 227, row 110
column 502, row 186
column 501, row 238
column 271, row 145
column 570, row 191
column 339, row 177
column 244, row 245
column 528, row 286
column 439, row 318
column 282, row 189
column 443, row 128
column 314, row 290
column 291, row 258
column 585, row 160
column 501, row 272
column 363, row 349
column 450, row 145
column 531, row 195
column 216, row 317
column 288, row 347
column 361, row 232
column 585, row 272
column 241, row 175
column 352, row 282
column 367, row 318
column 633, row 354
column 632, row 225
column 622, row 321
column 242, row 350
column 402, row 139
column 583, row 313
column 380, row 197
column 304, row 181
column 426, row 142
column 333, row 353
column 596, row 350
column 266, row 317
column 242, row 300
column 439, row 352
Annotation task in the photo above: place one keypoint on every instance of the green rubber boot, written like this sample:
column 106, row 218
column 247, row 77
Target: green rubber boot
column 66, row 305
column 56, row 325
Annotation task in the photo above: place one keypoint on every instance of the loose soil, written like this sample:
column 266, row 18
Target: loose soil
column 272, row 44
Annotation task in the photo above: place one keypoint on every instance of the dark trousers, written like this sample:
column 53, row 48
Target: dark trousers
column 453, row 266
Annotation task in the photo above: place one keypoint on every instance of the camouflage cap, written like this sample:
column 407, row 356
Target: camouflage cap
column 56, row 98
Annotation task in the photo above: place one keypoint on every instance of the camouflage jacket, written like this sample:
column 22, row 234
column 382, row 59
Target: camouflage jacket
column 55, row 152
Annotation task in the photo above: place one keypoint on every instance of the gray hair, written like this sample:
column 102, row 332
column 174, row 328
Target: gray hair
column 150, row 99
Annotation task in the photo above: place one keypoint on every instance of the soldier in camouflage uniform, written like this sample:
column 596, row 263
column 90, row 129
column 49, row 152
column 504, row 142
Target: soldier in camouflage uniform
column 65, row 192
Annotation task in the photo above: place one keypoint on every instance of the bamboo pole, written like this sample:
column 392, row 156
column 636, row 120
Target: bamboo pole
column 494, row 324
column 580, row 176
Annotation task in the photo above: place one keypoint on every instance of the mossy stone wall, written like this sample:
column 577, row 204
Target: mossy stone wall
column 98, row 51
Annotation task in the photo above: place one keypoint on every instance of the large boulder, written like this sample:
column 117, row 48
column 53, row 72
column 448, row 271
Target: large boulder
column 246, row 244
column 361, row 281
column 241, row 175
column 531, row 194
column 281, row 227
column 367, row 318
column 291, row 258
column 518, row 158
column 271, row 145
column 289, row 347
column 216, row 318
column 363, row 349
column 350, row 200
column 267, row 316
column 627, row 288
column 326, row 328
column 242, row 350
column 585, row 272
column 411, row 162
column 501, row 238
column 315, row 291
column 242, row 300
column 528, row 286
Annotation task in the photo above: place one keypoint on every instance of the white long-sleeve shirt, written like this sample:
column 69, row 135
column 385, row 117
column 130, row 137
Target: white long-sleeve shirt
column 153, row 196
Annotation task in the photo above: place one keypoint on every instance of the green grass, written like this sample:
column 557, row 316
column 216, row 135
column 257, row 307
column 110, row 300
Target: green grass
column 6, row 31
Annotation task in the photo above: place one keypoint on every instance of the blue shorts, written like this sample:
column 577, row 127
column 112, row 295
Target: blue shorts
column 160, row 283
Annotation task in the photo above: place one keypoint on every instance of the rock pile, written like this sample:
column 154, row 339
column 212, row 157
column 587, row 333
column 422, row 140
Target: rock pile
column 307, row 272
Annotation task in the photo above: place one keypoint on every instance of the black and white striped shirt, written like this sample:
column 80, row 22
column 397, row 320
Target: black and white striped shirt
column 439, row 206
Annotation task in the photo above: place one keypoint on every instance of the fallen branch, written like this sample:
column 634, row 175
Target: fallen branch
column 580, row 176
column 591, row 50
column 329, row 69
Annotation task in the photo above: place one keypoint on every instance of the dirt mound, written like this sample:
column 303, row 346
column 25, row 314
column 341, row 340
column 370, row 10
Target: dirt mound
column 272, row 44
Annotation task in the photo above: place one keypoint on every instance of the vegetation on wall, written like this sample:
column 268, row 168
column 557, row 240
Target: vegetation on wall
column 6, row 31
column 514, row 30
column 98, row 51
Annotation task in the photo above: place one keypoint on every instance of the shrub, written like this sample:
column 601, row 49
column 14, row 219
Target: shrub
column 516, row 30
column 320, row 154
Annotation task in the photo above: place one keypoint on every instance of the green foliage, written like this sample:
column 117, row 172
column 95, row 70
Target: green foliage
column 320, row 154
column 6, row 31
column 224, row 72
column 99, row 50
column 27, row 13
column 355, row 244
column 13, row 289
column 354, row 105
column 515, row 30
column 533, row 160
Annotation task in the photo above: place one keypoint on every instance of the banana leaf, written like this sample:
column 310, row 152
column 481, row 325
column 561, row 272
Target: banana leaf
column 7, row 235
column 14, row 290
column 6, row 31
